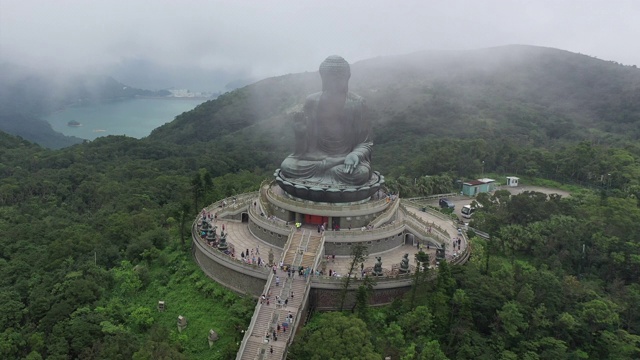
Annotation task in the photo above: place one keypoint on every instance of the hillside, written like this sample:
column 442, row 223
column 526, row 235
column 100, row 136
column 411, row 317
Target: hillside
column 535, row 94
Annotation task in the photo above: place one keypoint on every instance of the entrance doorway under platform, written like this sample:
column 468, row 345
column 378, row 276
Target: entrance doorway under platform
column 315, row 219
column 409, row 239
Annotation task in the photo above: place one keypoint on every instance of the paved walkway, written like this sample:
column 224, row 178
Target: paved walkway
column 240, row 237
column 446, row 225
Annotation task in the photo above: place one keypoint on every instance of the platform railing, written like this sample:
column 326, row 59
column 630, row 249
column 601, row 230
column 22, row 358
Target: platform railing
column 434, row 226
column 219, row 255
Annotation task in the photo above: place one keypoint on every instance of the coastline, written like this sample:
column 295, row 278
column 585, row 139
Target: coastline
column 175, row 97
column 135, row 117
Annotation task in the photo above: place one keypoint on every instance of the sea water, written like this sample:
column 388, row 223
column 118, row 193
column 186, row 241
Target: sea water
column 134, row 117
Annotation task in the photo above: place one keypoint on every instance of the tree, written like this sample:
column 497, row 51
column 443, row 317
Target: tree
column 196, row 189
column 183, row 215
column 361, row 306
column 422, row 260
column 334, row 336
column 512, row 322
column 432, row 351
column 359, row 253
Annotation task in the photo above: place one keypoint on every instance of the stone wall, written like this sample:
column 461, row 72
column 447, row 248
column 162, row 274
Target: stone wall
column 266, row 235
column 374, row 246
column 243, row 281
column 329, row 299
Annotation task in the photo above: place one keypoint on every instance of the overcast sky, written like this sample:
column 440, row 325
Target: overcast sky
column 273, row 37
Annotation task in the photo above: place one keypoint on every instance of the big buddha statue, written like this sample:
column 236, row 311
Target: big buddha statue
column 332, row 157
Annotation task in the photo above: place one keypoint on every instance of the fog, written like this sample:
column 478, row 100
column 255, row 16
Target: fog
column 203, row 45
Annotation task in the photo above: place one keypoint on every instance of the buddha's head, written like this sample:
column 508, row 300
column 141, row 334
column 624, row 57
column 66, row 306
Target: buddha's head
column 335, row 73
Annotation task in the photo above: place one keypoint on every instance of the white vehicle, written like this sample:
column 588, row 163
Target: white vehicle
column 468, row 210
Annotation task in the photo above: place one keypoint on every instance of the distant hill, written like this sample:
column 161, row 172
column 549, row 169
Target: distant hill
column 533, row 94
column 35, row 130
column 26, row 95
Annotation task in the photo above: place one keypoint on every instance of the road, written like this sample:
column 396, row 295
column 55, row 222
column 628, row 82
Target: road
column 462, row 200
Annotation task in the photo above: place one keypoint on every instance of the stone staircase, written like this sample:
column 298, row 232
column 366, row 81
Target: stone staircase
column 302, row 251
column 312, row 248
column 296, row 240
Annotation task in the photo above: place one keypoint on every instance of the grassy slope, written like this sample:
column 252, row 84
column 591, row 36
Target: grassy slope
column 188, row 292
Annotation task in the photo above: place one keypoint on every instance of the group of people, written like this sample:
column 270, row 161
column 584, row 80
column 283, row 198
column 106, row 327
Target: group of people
column 250, row 257
column 266, row 299
column 281, row 327
column 456, row 242
column 252, row 260
column 208, row 215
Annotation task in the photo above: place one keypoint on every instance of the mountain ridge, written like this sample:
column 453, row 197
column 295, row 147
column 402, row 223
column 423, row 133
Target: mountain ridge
column 542, row 94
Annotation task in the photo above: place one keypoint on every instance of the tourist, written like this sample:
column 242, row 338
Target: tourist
column 271, row 349
column 286, row 302
column 277, row 281
column 262, row 299
column 292, row 294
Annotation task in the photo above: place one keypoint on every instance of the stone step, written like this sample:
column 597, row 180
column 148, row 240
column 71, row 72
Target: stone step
column 288, row 258
column 308, row 260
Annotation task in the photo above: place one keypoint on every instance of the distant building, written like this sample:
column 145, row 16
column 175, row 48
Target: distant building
column 474, row 187
column 512, row 181
column 186, row 93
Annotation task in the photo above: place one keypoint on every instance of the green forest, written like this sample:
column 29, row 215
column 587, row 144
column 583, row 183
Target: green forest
column 92, row 236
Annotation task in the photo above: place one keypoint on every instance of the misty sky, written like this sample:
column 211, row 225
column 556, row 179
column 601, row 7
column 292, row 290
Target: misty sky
column 274, row 37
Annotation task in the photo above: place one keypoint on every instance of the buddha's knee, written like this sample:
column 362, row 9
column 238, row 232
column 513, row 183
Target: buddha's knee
column 360, row 175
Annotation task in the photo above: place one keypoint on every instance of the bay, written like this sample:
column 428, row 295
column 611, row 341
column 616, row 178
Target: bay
column 134, row 117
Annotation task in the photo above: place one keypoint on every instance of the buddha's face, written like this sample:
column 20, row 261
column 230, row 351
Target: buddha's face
column 335, row 83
